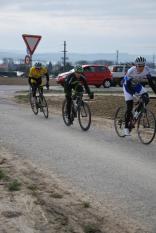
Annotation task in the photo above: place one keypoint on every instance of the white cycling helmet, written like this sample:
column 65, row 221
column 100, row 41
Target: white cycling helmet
column 140, row 61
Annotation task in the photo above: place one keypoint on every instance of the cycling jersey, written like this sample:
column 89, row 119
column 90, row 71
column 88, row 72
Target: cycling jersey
column 72, row 82
column 35, row 78
column 132, row 82
column 35, row 74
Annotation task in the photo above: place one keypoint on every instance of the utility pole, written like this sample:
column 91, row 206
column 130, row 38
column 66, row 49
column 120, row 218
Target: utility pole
column 117, row 57
column 153, row 61
column 64, row 56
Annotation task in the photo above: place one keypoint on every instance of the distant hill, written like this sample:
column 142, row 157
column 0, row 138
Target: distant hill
column 73, row 57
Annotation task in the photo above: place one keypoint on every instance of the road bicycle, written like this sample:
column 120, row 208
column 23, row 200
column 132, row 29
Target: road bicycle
column 79, row 109
column 40, row 103
column 144, row 121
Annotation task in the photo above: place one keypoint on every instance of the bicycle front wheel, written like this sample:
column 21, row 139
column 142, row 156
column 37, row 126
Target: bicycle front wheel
column 33, row 104
column 44, row 106
column 146, row 127
column 119, row 121
column 84, row 116
column 65, row 114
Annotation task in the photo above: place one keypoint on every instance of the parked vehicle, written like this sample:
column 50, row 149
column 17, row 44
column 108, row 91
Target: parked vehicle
column 118, row 72
column 8, row 73
column 96, row 75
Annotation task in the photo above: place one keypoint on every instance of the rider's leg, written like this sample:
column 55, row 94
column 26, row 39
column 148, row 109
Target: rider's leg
column 40, row 85
column 128, row 114
column 69, row 101
column 68, row 95
column 34, row 88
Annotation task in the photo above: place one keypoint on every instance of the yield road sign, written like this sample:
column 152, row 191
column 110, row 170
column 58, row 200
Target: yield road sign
column 31, row 42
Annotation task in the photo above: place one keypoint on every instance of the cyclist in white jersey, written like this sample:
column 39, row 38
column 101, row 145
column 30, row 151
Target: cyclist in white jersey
column 132, row 85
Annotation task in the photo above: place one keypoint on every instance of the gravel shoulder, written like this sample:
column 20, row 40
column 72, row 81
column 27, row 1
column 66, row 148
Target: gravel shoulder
column 34, row 201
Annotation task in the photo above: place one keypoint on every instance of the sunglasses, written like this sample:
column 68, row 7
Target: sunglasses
column 140, row 66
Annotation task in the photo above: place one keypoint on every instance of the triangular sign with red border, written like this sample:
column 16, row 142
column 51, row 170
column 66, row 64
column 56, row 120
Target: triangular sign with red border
column 31, row 42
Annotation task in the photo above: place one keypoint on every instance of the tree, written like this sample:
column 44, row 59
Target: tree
column 50, row 67
column 82, row 62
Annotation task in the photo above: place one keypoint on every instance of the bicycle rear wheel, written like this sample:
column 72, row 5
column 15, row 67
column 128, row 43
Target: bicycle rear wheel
column 44, row 106
column 33, row 104
column 84, row 116
column 119, row 121
column 146, row 127
column 65, row 114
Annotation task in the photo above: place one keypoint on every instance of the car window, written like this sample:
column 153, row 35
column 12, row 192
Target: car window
column 100, row 68
column 114, row 69
column 126, row 68
column 119, row 69
column 89, row 69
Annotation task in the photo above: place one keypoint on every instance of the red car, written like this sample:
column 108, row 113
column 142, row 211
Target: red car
column 96, row 75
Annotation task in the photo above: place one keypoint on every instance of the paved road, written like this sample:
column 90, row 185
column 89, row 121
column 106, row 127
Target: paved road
column 119, row 172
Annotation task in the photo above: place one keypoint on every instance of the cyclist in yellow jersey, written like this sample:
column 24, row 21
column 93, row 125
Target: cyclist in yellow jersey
column 35, row 77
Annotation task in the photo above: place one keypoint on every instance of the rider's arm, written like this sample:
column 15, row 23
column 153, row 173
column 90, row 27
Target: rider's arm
column 47, row 77
column 151, row 82
column 82, row 78
column 30, row 76
column 47, row 80
column 45, row 70
column 29, row 80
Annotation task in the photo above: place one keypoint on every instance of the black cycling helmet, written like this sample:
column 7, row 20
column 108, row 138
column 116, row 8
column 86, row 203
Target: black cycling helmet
column 38, row 65
column 140, row 61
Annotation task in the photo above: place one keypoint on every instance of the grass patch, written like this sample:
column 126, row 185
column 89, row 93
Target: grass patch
column 86, row 204
column 15, row 185
column 33, row 187
column 22, row 98
column 56, row 195
column 91, row 229
column 3, row 175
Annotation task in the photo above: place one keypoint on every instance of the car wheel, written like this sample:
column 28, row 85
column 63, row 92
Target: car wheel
column 97, row 86
column 106, row 83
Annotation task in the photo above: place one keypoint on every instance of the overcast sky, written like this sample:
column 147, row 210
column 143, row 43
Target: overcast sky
column 88, row 26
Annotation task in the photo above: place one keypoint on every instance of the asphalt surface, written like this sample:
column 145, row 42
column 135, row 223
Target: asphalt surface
column 121, row 173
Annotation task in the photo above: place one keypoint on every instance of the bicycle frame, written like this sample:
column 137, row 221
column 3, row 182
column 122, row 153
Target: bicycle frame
column 77, row 100
column 79, row 109
column 134, row 118
column 145, row 122
column 40, row 102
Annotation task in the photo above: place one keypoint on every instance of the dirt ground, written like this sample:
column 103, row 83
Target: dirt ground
column 103, row 107
column 19, row 81
column 33, row 201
